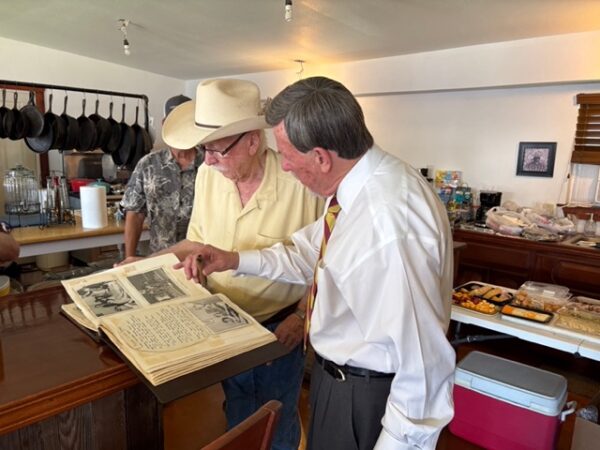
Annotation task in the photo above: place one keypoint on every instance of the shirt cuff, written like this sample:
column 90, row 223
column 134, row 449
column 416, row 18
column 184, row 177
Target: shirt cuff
column 249, row 263
column 387, row 442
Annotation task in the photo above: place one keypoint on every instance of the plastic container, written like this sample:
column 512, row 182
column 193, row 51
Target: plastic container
column 4, row 285
column 501, row 404
column 546, row 290
column 541, row 296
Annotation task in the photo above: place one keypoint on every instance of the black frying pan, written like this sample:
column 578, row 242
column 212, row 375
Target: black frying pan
column 87, row 131
column 3, row 110
column 71, row 129
column 126, row 150
column 103, row 129
column 53, row 134
column 140, row 144
column 33, row 118
column 112, row 144
column 13, row 122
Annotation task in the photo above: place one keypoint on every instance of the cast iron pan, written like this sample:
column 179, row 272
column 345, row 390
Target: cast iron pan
column 3, row 110
column 112, row 144
column 13, row 122
column 71, row 129
column 44, row 142
column 103, row 130
column 33, row 117
column 126, row 151
column 139, row 148
column 87, row 131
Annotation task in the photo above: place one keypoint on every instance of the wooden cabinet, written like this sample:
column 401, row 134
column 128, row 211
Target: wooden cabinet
column 509, row 262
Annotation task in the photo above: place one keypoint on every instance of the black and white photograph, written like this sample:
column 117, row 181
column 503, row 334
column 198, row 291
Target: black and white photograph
column 106, row 298
column 217, row 315
column 156, row 286
column 536, row 159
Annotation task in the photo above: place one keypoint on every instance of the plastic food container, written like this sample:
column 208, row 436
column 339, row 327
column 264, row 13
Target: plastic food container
column 4, row 285
column 501, row 404
column 541, row 296
column 546, row 290
column 582, row 314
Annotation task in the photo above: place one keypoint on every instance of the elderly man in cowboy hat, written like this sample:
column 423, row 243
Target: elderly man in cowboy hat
column 244, row 201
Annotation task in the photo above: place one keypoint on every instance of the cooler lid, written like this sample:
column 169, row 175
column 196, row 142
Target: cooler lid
column 516, row 383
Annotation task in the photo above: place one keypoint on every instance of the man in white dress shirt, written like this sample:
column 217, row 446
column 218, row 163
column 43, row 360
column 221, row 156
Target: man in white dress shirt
column 384, row 371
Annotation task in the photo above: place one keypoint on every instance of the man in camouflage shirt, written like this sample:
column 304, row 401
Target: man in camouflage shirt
column 161, row 188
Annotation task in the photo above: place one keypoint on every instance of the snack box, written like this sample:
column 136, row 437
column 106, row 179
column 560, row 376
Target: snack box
column 534, row 315
column 501, row 404
column 582, row 314
column 541, row 296
column 487, row 292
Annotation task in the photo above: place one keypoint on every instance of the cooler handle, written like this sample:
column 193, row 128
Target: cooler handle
column 572, row 406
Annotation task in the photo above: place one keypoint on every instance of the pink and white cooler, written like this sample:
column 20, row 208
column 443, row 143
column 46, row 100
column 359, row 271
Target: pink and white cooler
column 505, row 405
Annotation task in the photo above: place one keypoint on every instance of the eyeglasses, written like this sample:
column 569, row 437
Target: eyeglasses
column 223, row 153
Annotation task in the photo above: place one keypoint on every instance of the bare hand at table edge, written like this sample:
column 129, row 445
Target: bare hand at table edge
column 213, row 260
column 290, row 331
column 128, row 260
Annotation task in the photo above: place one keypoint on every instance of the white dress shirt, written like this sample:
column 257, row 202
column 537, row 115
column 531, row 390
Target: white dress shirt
column 384, row 291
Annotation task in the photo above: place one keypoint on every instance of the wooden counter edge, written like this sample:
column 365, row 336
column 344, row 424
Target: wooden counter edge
column 30, row 410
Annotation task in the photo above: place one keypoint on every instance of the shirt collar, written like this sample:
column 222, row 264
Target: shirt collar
column 356, row 178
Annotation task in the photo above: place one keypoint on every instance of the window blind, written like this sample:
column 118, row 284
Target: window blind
column 587, row 134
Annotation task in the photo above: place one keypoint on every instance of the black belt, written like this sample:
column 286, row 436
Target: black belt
column 340, row 372
column 280, row 315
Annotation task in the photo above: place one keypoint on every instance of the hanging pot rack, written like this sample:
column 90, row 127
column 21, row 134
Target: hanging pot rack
column 57, row 87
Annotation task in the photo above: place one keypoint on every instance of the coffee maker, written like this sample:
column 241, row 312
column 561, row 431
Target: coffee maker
column 487, row 200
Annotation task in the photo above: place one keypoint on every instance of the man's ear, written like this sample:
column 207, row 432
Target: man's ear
column 254, row 142
column 323, row 159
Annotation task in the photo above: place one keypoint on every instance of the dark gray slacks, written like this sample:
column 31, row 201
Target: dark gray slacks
column 345, row 415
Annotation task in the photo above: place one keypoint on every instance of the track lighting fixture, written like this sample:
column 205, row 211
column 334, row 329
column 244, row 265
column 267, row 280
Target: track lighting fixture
column 288, row 11
column 123, row 24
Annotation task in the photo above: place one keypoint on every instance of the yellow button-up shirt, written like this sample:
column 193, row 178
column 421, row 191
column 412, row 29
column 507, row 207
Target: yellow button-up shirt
column 279, row 207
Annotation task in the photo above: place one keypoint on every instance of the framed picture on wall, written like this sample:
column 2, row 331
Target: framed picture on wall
column 536, row 159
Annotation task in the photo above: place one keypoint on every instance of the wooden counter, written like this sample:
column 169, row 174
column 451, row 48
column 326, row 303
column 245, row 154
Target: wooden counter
column 59, row 238
column 56, row 382
column 510, row 261
column 47, row 364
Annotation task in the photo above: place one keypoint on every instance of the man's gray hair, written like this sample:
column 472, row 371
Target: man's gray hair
column 320, row 112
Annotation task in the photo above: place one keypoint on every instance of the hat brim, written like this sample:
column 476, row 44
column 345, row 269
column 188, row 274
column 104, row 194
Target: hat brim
column 180, row 131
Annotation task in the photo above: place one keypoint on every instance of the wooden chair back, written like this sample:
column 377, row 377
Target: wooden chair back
column 254, row 433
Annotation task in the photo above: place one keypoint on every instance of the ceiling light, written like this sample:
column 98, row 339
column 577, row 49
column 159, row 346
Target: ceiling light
column 288, row 11
column 123, row 24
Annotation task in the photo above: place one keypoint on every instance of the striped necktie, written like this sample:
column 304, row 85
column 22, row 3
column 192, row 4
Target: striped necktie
column 332, row 212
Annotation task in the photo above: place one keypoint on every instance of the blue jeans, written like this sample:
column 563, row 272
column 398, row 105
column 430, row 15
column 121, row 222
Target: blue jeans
column 280, row 380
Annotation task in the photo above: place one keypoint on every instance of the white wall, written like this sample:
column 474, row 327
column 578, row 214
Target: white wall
column 468, row 108
column 30, row 63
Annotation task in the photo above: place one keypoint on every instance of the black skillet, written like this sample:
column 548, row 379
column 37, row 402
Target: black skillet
column 53, row 131
column 13, row 122
column 126, row 151
column 33, row 117
column 87, row 131
column 3, row 110
column 113, row 141
column 103, row 128
column 71, row 129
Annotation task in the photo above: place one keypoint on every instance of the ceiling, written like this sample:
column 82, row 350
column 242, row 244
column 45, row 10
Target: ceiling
column 191, row 39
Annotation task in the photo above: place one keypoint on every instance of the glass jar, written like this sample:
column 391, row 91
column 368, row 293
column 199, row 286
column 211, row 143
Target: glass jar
column 21, row 193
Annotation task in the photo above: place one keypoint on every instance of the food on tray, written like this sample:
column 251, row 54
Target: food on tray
column 481, row 291
column 578, row 324
column 522, row 298
column 538, row 316
column 581, row 314
column 466, row 300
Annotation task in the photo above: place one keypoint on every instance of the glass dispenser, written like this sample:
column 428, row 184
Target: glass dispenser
column 21, row 193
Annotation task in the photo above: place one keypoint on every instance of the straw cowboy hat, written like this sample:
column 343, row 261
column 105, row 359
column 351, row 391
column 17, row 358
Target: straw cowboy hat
column 223, row 107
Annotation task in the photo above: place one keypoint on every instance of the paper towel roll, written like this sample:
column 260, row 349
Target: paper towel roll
column 93, row 206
